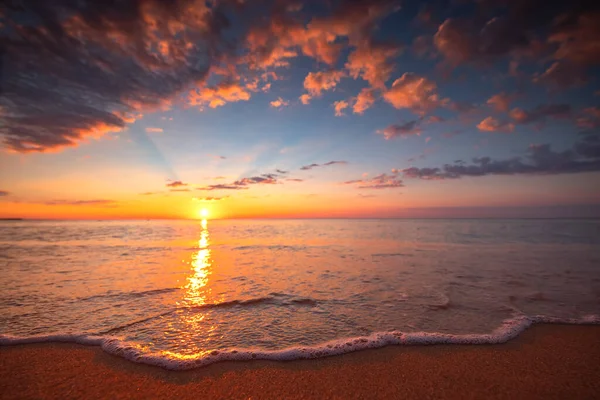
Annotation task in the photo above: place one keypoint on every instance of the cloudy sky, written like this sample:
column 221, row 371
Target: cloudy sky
column 335, row 108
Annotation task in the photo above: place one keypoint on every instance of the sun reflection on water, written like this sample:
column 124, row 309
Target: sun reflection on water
column 201, row 263
column 197, row 294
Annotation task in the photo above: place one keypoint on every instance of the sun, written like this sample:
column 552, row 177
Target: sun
column 203, row 212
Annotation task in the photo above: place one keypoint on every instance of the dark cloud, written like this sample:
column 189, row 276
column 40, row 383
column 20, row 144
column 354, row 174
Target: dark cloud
column 4, row 193
column 539, row 160
column 402, row 130
column 104, row 203
column 294, row 180
column 540, row 113
column 243, row 183
column 562, row 31
column 589, row 120
column 382, row 181
column 74, row 70
column 175, row 184
column 280, row 171
column 222, row 187
column 311, row 166
column 209, row 199
column 268, row 179
column 79, row 69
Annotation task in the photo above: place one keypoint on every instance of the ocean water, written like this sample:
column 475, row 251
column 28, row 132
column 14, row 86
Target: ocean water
column 182, row 294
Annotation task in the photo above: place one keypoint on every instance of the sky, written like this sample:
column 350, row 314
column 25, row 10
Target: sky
column 267, row 108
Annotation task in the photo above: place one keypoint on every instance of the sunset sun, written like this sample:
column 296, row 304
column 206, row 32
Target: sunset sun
column 203, row 212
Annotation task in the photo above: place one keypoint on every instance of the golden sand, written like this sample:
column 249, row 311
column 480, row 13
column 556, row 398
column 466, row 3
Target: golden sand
column 546, row 362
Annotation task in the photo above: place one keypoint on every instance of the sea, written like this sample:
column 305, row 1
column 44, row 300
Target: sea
column 184, row 294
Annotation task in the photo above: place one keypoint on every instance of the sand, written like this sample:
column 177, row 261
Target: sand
column 547, row 361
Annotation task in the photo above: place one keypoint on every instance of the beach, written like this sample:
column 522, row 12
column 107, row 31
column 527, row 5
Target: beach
column 546, row 361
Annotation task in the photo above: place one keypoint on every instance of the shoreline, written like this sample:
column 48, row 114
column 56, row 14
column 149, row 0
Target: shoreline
column 545, row 361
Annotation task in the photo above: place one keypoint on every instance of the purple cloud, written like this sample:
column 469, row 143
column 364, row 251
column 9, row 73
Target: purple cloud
column 539, row 160
column 175, row 184
column 311, row 166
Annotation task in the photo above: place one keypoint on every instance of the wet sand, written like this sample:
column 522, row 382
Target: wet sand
column 547, row 361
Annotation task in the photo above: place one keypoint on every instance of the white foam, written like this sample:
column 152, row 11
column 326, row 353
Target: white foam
column 509, row 329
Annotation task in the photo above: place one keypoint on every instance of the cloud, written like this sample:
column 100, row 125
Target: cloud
column 339, row 107
column 179, row 190
column 280, row 171
column 279, row 102
column 372, row 62
column 307, row 167
column 4, row 193
column 102, row 203
column 218, row 95
column 413, row 92
column 590, row 118
column 561, row 74
column 382, row 181
column 318, row 82
column 491, row 124
column 112, row 62
column 149, row 193
column 154, row 130
column 576, row 41
column 564, row 32
column 294, row 180
column 265, row 179
column 311, row 166
column 364, row 100
column 538, row 160
column 284, row 36
column 243, row 183
column 175, row 184
column 209, row 199
column 305, row 98
column 500, row 102
column 222, row 187
column 540, row 113
column 409, row 128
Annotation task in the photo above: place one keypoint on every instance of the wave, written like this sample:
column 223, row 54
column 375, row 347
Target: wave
column 271, row 299
column 510, row 329
column 129, row 294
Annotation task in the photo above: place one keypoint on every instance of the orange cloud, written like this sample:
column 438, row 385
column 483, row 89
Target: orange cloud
column 317, row 82
column 491, row 124
column 364, row 100
column 339, row 107
column 414, row 92
column 154, row 130
column 279, row 103
column 500, row 102
column 176, row 184
column 219, row 95
column 305, row 98
column 373, row 62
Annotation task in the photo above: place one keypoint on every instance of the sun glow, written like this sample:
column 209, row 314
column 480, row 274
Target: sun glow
column 203, row 213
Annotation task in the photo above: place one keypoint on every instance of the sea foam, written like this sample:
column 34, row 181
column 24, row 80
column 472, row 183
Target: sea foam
column 508, row 330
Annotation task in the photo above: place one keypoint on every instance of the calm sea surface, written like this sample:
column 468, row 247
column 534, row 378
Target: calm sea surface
column 191, row 290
